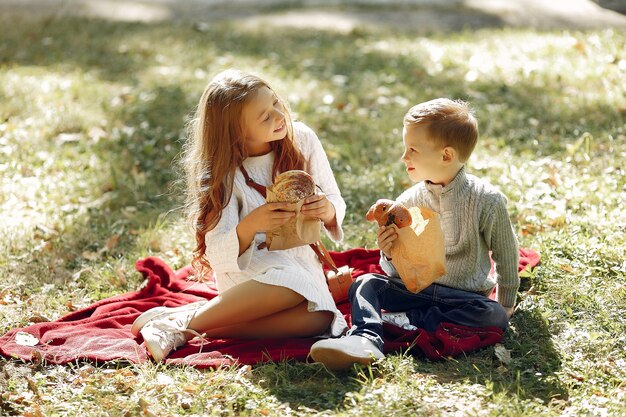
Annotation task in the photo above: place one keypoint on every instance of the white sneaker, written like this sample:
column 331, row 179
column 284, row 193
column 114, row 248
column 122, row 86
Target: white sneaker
column 164, row 328
column 341, row 353
column 171, row 312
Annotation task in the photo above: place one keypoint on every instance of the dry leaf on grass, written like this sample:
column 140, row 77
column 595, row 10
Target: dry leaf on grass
column 503, row 354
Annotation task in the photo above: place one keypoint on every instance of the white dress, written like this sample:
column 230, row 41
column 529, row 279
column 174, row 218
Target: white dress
column 297, row 268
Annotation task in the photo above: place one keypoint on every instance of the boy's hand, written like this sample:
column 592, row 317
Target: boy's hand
column 509, row 311
column 386, row 236
column 320, row 207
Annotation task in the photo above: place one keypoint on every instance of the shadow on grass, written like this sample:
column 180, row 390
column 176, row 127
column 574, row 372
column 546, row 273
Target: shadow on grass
column 310, row 385
column 531, row 374
column 355, row 129
column 141, row 185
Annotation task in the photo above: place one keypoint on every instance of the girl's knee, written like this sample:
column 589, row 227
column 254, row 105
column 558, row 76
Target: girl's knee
column 317, row 322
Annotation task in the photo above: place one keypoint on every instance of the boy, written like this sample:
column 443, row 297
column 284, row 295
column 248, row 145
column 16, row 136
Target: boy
column 439, row 136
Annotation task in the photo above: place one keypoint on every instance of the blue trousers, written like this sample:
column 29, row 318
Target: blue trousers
column 371, row 293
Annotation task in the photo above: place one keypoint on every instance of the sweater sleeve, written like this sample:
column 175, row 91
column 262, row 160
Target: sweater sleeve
column 320, row 169
column 387, row 266
column 502, row 242
column 222, row 243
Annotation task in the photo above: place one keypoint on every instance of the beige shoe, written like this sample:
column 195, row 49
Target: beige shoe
column 164, row 329
column 171, row 312
column 341, row 353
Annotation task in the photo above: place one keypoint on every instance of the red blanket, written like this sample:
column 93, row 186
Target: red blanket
column 101, row 332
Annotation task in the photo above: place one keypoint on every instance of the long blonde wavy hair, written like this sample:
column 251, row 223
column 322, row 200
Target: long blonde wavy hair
column 215, row 148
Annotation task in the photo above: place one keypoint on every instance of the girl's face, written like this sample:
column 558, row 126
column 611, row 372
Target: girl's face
column 263, row 120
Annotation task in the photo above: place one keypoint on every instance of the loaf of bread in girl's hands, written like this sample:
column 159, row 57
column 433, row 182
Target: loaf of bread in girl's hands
column 292, row 186
column 387, row 212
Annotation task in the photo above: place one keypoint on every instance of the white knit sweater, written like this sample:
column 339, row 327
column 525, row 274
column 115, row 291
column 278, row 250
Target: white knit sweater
column 297, row 268
column 474, row 221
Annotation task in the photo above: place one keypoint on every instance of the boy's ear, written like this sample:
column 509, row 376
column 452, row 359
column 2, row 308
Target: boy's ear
column 448, row 155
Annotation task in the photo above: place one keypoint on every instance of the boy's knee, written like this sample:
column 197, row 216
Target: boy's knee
column 365, row 280
column 354, row 287
column 498, row 317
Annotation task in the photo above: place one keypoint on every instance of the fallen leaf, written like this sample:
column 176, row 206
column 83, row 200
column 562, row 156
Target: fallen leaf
column 89, row 255
column 558, row 221
column 190, row 388
column 32, row 386
column 25, row 339
column 576, row 377
column 38, row 318
column 155, row 245
column 37, row 358
column 112, row 242
column 186, row 403
column 121, row 276
column 580, row 47
column 503, row 354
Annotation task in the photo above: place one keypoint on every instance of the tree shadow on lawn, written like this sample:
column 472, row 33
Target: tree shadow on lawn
column 531, row 374
column 129, row 197
column 319, row 56
column 143, row 171
column 357, row 129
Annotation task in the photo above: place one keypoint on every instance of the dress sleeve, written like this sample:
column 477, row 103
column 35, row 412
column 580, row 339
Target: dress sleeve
column 222, row 243
column 501, row 240
column 319, row 168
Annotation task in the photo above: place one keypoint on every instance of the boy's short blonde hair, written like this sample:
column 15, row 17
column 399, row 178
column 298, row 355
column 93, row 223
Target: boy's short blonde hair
column 449, row 123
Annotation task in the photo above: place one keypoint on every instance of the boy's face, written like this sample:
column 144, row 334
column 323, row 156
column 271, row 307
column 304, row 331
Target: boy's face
column 423, row 159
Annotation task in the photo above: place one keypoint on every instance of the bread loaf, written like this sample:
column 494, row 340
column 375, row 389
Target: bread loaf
column 387, row 212
column 292, row 186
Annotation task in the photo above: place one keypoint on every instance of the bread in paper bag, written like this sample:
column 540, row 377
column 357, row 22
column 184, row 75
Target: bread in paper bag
column 418, row 254
column 292, row 187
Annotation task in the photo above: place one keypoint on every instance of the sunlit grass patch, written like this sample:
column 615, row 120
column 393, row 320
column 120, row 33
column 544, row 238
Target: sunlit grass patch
column 92, row 115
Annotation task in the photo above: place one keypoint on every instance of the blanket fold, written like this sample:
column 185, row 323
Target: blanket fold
column 101, row 332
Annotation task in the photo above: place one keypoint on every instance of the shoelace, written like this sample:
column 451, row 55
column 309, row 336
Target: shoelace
column 172, row 334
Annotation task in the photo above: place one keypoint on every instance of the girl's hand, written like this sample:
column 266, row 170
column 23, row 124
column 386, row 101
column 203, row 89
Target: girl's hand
column 320, row 207
column 263, row 218
column 509, row 311
column 269, row 216
column 386, row 236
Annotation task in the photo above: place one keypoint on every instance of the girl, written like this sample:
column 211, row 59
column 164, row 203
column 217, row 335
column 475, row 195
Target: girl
column 242, row 127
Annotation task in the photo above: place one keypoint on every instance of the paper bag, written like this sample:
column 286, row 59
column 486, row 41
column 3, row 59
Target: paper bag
column 298, row 231
column 418, row 254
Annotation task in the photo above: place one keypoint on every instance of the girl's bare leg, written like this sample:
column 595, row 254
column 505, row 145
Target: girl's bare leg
column 244, row 303
column 294, row 322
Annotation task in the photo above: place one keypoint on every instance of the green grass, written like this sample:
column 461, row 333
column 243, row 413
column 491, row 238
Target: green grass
column 91, row 117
